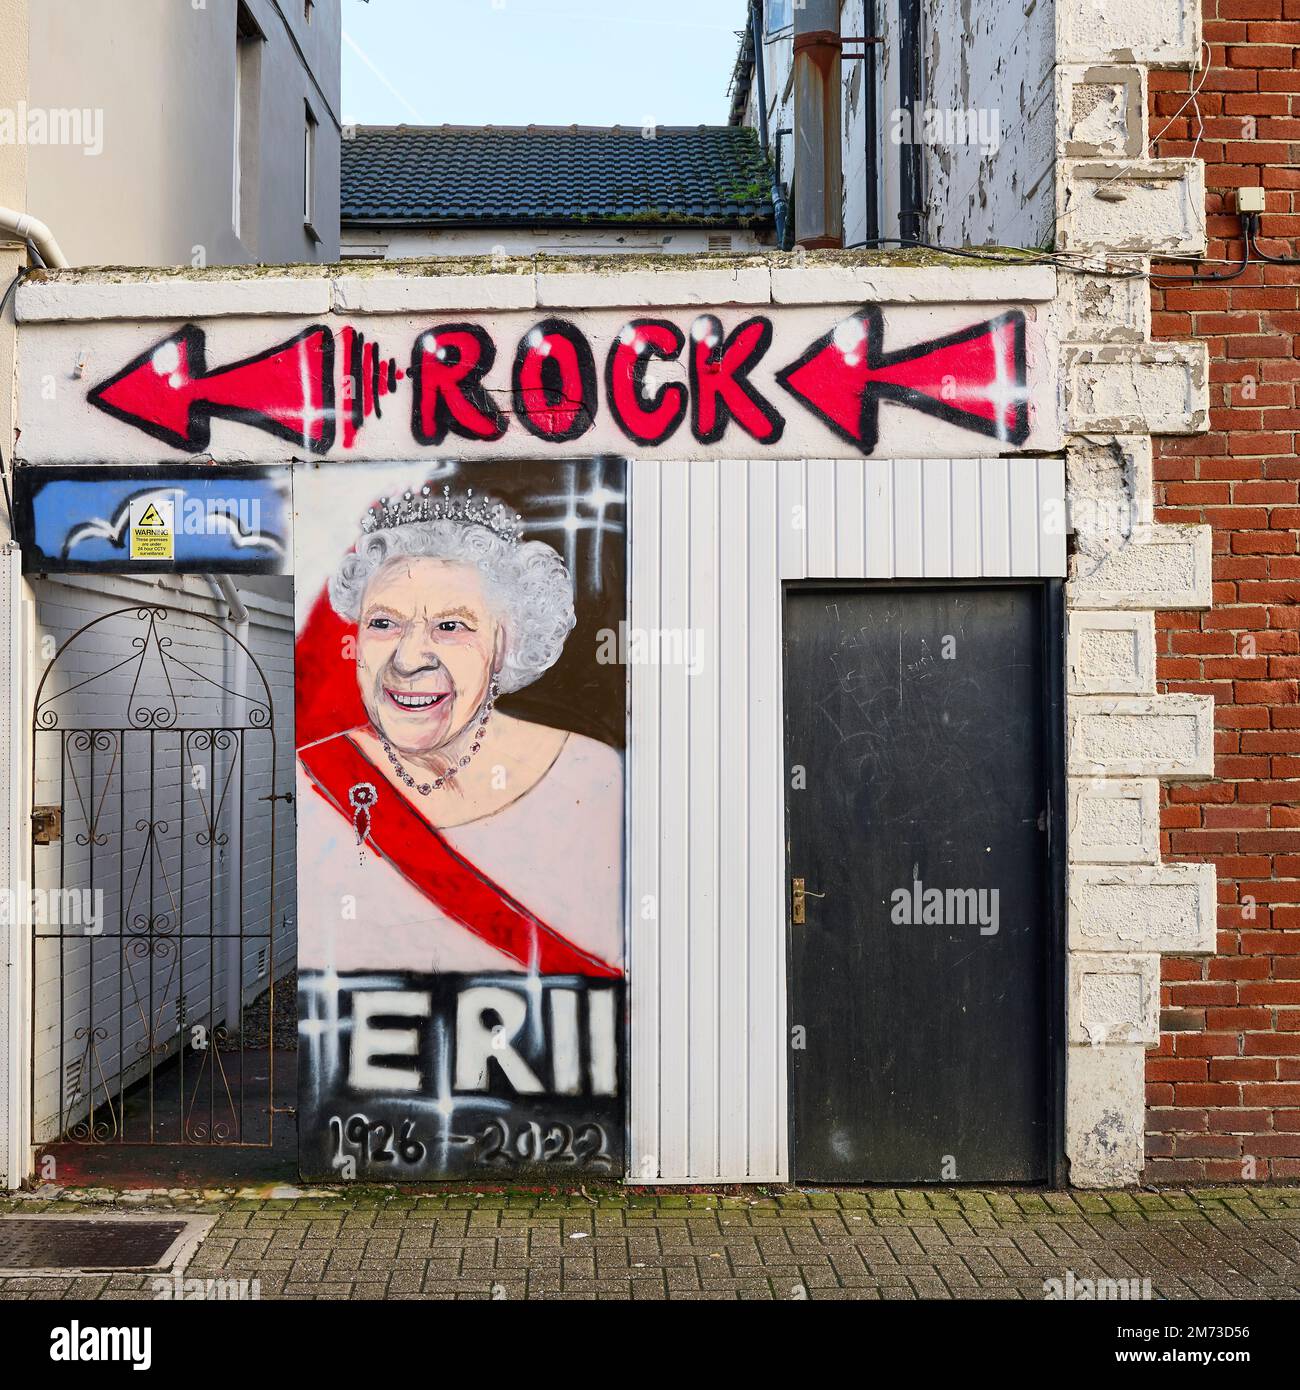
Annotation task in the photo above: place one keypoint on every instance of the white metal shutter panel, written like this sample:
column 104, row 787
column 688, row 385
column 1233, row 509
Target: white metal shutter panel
column 13, row 871
column 711, row 543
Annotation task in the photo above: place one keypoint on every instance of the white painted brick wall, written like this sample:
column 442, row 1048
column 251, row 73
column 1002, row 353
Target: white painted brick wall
column 14, row 829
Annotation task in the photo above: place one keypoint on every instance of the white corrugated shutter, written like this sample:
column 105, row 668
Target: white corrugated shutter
column 711, row 543
column 13, row 873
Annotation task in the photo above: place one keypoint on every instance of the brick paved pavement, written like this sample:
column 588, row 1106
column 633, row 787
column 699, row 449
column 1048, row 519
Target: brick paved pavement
column 1238, row 1242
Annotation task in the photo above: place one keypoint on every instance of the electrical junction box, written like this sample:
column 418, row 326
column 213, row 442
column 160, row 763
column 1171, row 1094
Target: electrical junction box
column 1250, row 200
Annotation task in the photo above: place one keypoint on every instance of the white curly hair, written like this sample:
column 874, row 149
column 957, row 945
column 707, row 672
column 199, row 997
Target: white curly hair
column 527, row 583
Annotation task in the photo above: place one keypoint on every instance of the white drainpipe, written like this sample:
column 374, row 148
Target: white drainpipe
column 36, row 234
column 234, row 677
column 15, row 862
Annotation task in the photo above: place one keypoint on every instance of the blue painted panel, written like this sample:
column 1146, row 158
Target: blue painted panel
column 78, row 518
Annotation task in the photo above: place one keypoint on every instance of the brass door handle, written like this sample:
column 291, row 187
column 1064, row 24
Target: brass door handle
column 798, row 893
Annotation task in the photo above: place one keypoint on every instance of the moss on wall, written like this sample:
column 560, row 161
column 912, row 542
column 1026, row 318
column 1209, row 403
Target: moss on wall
column 620, row 262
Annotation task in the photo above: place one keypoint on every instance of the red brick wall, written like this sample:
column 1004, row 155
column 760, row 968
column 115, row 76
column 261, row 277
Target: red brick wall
column 1224, row 1086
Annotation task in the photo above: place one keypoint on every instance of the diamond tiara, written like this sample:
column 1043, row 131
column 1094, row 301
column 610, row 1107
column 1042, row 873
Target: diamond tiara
column 469, row 510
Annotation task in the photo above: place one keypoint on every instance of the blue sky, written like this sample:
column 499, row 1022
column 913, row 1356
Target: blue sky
column 548, row 62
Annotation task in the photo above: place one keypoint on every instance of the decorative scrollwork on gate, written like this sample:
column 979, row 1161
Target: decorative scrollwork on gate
column 144, row 732
column 213, row 742
column 97, row 741
column 94, row 1129
column 153, row 653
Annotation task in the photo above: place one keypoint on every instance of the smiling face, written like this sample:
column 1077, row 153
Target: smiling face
column 428, row 645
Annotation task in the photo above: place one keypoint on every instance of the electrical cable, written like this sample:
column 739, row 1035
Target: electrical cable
column 1252, row 235
column 1209, row 278
column 1059, row 259
column 1027, row 257
column 1251, row 255
column 1081, row 266
column 9, row 501
column 12, row 286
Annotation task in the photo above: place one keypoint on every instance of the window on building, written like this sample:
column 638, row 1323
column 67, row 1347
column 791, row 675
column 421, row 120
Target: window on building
column 309, row 170
column 248, row 58
column 780, row 15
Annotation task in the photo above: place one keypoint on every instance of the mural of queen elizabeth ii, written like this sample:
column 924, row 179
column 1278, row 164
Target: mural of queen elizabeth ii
column 447, row 846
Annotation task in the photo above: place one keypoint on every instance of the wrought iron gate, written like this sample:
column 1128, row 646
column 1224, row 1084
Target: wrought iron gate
column 152, row 854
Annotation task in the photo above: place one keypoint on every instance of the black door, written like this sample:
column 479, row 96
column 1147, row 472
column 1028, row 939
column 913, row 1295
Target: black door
column 918, row 730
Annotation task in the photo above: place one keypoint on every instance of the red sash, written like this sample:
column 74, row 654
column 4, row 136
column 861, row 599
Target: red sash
column 404, row 839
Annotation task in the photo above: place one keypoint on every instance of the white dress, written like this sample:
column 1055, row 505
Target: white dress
column 557, row 850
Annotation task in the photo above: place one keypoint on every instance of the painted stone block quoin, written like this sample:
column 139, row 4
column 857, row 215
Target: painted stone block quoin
column 794, row 381
column 460, row 828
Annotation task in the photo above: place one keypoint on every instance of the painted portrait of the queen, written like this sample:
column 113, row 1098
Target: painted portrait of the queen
column 463, row 838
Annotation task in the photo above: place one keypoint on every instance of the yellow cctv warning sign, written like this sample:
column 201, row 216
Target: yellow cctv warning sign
column 153, row 528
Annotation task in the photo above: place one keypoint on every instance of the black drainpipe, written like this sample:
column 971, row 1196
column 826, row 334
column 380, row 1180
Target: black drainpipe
column 780, row 205
column 911, row 213
column 871, row 133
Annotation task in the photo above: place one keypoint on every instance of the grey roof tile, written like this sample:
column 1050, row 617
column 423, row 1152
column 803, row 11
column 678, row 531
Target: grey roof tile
column 548, row 176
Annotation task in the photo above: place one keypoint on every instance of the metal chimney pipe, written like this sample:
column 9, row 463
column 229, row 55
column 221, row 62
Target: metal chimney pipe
column 818, row 177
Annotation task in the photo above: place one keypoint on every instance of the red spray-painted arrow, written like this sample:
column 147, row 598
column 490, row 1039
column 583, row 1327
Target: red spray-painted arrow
column 169, row 392
column 974, row 378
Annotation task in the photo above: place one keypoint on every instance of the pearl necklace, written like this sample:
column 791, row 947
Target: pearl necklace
column 425, row 788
